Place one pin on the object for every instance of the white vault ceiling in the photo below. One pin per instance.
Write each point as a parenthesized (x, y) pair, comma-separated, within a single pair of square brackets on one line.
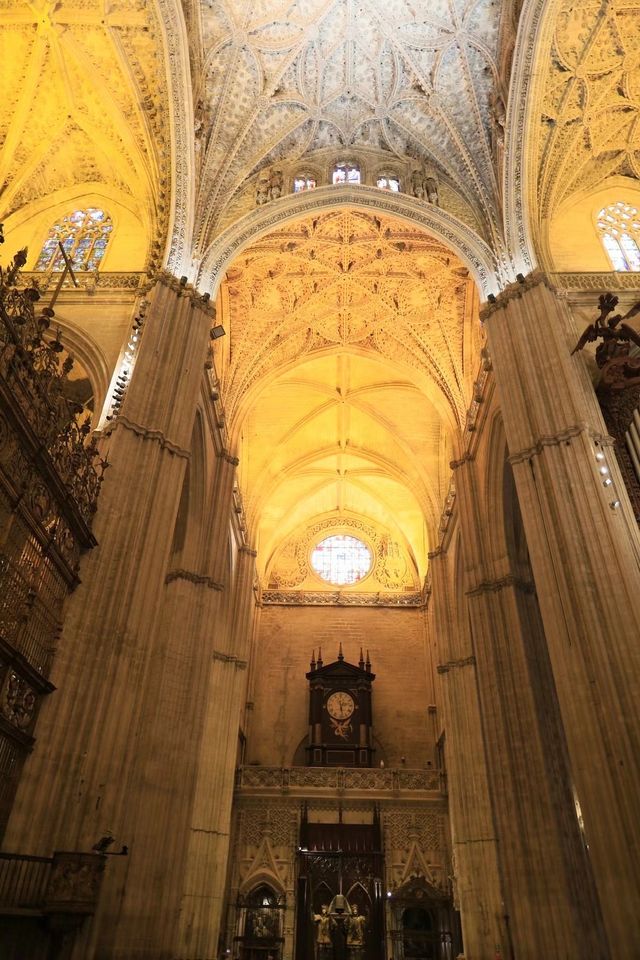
[(282, 79)]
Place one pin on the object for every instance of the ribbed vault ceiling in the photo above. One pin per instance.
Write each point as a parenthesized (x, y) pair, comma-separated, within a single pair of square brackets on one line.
[(350, 354), (283, 79), (587, 100), (84, 104)]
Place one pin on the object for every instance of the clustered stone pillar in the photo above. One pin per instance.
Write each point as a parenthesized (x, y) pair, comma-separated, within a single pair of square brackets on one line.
[(584, 547), (475, 856), (84, 779), (544, 865)]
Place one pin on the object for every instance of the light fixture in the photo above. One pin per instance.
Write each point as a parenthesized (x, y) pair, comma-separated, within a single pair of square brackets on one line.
[(614, 504), (599, 455)]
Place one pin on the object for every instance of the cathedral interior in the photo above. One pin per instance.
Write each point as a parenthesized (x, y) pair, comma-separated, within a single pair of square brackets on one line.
[(320, 480)]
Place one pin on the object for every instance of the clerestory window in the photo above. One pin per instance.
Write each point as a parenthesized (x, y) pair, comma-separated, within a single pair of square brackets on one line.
[(304, 183), (619, 229), (84, 234), (346, 173), (389, 183)]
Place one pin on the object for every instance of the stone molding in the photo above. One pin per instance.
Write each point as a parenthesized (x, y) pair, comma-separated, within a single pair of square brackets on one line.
[(472, 250), (502, 583), (555, 439), (229, 658), (146, 433), (614, 280), (196, 578), (311, 598), (177, 60), (455, 664), (519, 161), (300, 780)]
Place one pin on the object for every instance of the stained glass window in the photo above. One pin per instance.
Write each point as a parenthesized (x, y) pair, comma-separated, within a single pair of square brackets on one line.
[(619, 228), (303, 183), (346, 173), (341, 559), (84, 234), (389, 183)]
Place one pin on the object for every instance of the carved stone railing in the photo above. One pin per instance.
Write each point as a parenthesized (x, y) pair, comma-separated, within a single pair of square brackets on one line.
[(353, 781), (87, 282), (622, 280)]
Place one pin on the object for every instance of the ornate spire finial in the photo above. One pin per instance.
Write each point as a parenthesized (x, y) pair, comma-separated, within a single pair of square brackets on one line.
[(313, 660), (340, 653), (368, 664), (361, 660), (319, 661)]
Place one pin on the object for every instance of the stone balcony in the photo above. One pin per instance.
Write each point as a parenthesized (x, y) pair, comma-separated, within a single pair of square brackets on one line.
[(352, 783)]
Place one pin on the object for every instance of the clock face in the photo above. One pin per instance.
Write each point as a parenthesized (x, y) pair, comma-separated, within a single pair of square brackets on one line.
[(340, 705)]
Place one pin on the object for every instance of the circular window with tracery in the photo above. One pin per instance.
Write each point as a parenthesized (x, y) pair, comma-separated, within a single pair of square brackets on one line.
[(341, 559)]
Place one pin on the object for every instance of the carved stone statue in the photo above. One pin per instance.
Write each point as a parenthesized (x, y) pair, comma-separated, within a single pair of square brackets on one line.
[(431, 190), (355, 930), (322, 921), (417, 184), (275, 185), (262, 188)]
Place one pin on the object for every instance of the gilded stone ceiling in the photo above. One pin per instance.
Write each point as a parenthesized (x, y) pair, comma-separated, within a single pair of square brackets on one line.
[(84, 104), (285, 79), (351, 350), (589, 100)]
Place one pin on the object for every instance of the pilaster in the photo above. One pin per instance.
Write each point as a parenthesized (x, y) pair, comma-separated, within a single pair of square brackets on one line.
[(584, 547)]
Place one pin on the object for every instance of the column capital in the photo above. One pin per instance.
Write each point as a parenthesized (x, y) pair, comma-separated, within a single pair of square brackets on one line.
[(185, 290), (513, 291)]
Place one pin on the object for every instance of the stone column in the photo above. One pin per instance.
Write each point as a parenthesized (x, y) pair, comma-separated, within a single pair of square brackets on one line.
[(208, 843), (475, 857), (584, 553), (82, 782)]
